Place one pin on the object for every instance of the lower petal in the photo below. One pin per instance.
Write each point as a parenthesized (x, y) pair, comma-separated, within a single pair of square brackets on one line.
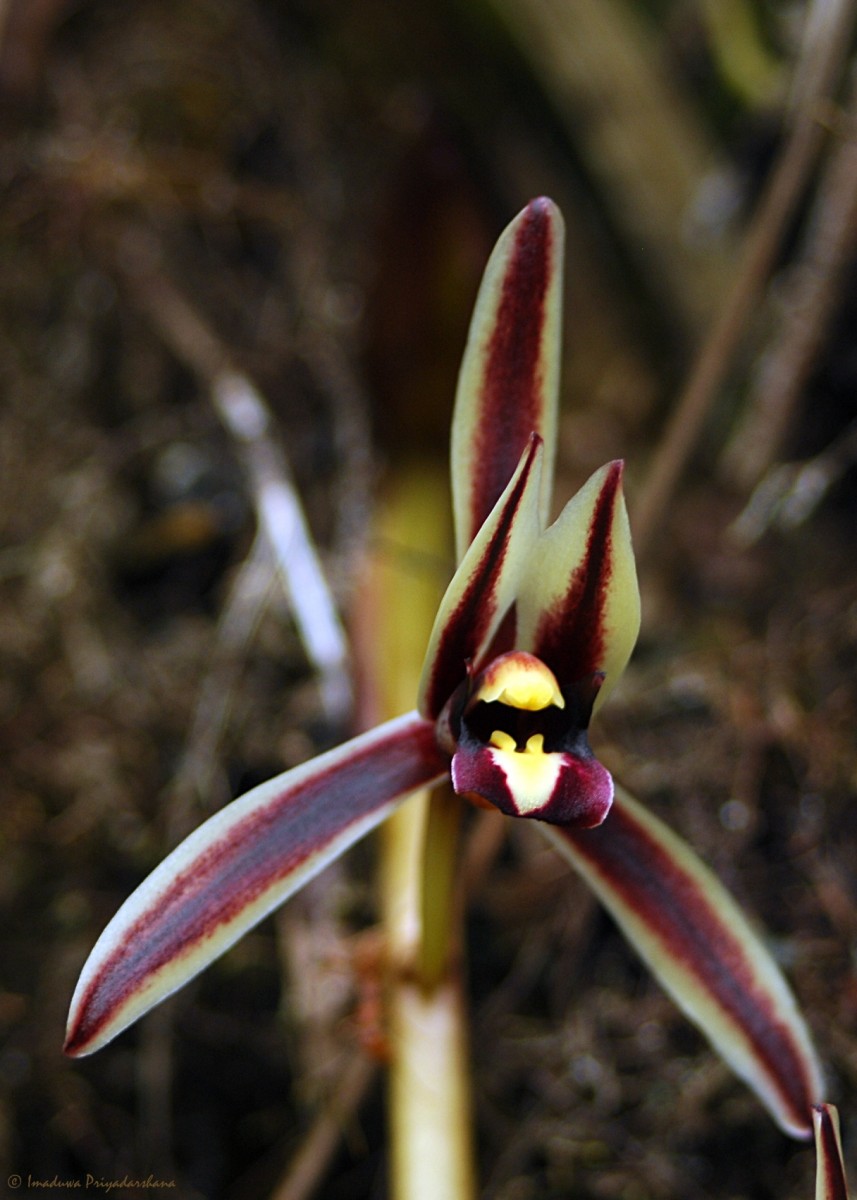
[(558, 787), (698, 944), (238, 866)]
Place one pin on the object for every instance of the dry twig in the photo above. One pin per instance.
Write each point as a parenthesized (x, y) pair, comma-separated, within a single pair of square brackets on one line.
[(246, 418), (641, 140), (785, 188), (788, 494), (812, 290), (305, 1171)]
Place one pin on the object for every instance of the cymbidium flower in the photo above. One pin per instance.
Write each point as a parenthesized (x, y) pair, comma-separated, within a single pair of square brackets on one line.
[(535, 628)]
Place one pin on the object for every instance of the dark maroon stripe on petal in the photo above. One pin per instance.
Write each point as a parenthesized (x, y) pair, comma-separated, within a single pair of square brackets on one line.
[(253, 855), (829, 1156), (511, 402), (667, 899), (570, 637), (467, 627)]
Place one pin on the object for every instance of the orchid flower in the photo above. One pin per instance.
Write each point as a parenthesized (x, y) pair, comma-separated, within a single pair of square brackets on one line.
[(533, 633)]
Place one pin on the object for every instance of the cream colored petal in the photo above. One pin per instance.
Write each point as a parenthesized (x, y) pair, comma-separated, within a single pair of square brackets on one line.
[(484, 587), (238, 866), (579, 604), (700, 947)]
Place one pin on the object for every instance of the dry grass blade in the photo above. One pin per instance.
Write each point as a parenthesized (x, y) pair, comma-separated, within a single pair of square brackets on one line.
[(812, 290), (785, 187), (788, 494), (306, 1170), (640, 139), (246, 418), (249, 595)]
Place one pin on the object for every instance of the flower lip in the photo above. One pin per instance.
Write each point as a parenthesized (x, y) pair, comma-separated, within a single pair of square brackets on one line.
[(517, 775)]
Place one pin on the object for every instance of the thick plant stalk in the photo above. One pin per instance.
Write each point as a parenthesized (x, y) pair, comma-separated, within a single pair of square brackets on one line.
[(429, 1087)]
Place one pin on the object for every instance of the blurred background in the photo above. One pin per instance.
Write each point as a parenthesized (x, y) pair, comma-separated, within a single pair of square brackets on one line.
[(305, 194)]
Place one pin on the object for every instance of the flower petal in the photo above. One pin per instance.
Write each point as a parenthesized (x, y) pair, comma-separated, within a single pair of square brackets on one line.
[(830, 1181), (695, 939), (509, 379), (238, 866), (579, 605), (483, 588), (570, 789)]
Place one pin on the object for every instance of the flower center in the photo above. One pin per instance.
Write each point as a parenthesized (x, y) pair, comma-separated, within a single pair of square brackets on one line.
[(519, 680), (516, 704), (520, 743)]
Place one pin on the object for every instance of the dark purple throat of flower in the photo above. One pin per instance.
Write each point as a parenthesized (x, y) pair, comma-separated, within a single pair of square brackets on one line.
[(519, 741)]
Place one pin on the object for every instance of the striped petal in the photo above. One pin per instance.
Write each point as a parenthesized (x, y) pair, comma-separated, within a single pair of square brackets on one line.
[(509, 379), (579, 605), (484, 587), (238, 866), (698, 944), (830, 1170)]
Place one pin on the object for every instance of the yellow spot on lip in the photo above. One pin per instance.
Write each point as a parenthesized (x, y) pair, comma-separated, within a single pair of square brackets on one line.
[(520, 680), (531, 774), (501, 740)]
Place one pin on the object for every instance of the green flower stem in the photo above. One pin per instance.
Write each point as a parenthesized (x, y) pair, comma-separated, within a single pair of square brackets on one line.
[(429, 1082), (440, 943)]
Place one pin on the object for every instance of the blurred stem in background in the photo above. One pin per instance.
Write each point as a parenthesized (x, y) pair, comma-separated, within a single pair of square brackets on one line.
[(430, 1141)]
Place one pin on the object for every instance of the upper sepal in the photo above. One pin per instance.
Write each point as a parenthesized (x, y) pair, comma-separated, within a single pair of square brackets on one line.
[(484, 587), (238, 866), (509, 379), (579, 605)]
